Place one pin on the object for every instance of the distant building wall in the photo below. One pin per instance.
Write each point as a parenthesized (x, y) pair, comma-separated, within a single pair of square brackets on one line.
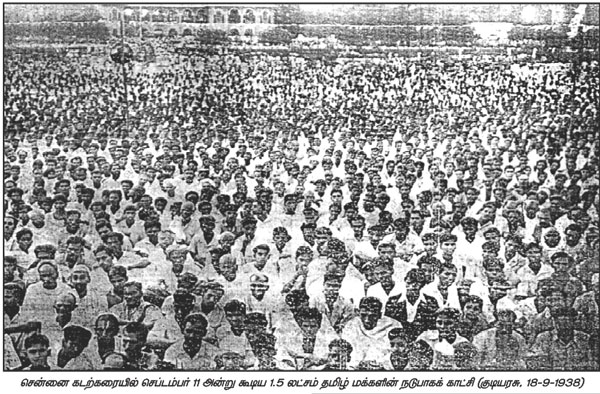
[(235, 20)]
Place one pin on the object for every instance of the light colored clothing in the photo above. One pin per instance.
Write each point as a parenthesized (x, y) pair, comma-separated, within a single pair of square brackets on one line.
[(291, 349), (443, 352), (145, 313), (368, 345), (377, 291), (230, 342), (452, 299), (529, 279), (88, 309), (185, 232), (204, 360), (406, 249), (38, 304), (165, 331), (199, 246)]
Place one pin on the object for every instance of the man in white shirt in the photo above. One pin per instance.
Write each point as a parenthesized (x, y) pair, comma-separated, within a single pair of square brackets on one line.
[(444, 339), (368, 334), (534, 271), (191, 352), (386, 286), (38, 304), (406, 242)]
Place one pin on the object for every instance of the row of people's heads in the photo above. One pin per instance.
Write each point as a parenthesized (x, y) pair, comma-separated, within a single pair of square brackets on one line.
[(401, 225), (145, 211), (173, 149), (322, 235), (575, 136), (404, 163), (371, 199), (379, 270), (63, 185), (335, 249)]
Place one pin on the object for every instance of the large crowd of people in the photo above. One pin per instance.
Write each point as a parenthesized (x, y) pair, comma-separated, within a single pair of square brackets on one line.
[(264, 212)]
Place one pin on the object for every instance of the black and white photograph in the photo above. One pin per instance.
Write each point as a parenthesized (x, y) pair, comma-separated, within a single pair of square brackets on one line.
[(301, 187)]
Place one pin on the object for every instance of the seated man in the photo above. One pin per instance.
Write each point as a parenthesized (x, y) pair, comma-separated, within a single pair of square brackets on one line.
[(64, 307), (551, 297), (368, 334), (40, 297), (134, 308), (261, 263), (134, 339), (117, 276), (234, 338), (191, 353), (386, 286), (233, 285), (106, 329), (70, 354), (306, 348), (535, 270), (446, 290), (168, 329), (334, 307), (211, 294), (259, 296), (472, 321), (413, 309), (91, 303), (178, 265), (444, 339), (186, 282), (139, 268), (500, 347), (562, 348)]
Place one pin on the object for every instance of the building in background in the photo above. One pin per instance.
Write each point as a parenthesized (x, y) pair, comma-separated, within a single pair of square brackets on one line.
[(245, 20), (354, 25)]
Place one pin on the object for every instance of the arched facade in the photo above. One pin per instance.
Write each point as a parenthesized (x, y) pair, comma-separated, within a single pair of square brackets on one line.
[(187, 16), (149, 19), (234, 16), (249, 17), (202, 16)]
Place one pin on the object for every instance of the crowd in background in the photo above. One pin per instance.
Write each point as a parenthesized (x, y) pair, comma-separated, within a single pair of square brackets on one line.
[(259, 212)]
